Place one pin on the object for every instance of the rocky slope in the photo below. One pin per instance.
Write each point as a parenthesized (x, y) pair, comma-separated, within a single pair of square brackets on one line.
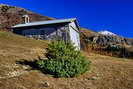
[(102, 39), (112, 45), (11, 15)]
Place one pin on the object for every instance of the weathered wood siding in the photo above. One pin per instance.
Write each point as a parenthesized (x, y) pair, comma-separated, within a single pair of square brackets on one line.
[(74, 35), (67, 32), (54, 32)]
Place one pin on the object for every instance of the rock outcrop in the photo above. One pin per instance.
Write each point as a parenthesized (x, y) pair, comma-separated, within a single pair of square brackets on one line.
[(100, 39), (107, 39), (112, 45)]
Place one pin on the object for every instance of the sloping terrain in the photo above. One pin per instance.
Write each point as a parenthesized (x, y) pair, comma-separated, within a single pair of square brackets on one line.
[(11, 15), (106, 72), (106, 44), (100, 39), (13, 48)]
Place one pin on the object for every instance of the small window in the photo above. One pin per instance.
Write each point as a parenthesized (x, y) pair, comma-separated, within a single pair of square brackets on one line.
[(42, 32)]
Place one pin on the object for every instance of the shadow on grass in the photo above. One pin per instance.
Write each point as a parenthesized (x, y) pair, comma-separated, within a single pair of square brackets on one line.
[(32, 64)]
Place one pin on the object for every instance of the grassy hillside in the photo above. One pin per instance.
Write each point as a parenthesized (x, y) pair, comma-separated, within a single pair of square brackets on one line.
[(106, 72), (14, 47)]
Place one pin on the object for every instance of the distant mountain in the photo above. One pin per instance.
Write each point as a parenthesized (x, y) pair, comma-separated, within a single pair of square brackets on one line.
[(105, 37), (105, 32), (106, 43)]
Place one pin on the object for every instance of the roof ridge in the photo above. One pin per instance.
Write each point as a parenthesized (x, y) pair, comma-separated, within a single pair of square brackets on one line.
[(45, 22)]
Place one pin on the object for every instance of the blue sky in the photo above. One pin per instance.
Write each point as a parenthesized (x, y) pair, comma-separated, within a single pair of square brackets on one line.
[(113, 15)]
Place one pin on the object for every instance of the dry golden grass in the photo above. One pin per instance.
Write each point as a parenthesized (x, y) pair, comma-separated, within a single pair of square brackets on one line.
[(14, 48), (106, 72)]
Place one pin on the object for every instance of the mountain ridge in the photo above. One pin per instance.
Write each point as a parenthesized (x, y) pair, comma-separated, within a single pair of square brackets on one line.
[(106, 32), (11, 15)]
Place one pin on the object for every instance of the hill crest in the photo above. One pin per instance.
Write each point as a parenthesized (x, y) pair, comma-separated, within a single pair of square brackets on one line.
[(11, 15)]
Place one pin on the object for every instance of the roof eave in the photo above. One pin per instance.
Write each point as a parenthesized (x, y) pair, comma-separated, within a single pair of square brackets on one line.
[(29, 25)]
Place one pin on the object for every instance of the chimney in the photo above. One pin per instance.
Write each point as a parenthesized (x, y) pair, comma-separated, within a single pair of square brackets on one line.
[(26, 19)]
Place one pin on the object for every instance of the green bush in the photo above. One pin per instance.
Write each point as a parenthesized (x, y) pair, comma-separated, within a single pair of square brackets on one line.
[(113, 48), (61, 50), (63, 60)]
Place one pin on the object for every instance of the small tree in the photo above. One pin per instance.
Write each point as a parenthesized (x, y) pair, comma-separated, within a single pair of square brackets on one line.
[(61, 50), (63, 60)]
